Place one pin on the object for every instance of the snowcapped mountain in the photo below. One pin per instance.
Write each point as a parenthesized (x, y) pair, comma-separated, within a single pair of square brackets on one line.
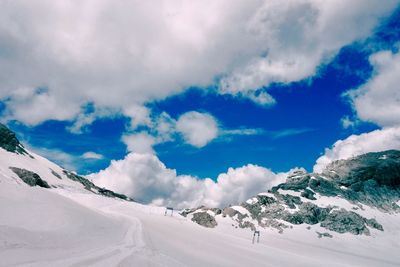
[(346, 216), (353, 196)]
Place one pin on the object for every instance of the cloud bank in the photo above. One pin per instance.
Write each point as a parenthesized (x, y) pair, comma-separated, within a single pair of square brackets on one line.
[(378, 100), (56, 57), (145, 178), (378, 140)]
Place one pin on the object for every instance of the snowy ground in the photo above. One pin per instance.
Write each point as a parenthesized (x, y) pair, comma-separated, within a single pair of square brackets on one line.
[(40, 227), (70, 226)]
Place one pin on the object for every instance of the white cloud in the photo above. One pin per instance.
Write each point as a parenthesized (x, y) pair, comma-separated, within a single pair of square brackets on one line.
[(92, 155), (165, 126), (243, 131), (354, 145), (237, 185), (145, 178), (378, 100), (84, 119), (139, 115), (122, 55), (139, 143), (298, 37), (198, 129), (348, 122), (289, 132)]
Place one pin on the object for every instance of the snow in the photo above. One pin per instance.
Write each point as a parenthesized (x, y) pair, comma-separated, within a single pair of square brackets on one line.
[(289, 192), (241, 209), (70, 226), (252, 201)]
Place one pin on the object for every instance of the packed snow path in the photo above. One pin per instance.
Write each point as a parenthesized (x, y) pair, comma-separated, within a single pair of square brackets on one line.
[(59, 227)]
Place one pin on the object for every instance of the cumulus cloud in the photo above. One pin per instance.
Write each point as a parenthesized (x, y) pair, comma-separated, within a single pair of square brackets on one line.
[(85, 119), (354, 145), (139, 142), (145, 178), (197, 129), (299, 36), (348, 122), (378, 100), (122, 55), (92, 155)]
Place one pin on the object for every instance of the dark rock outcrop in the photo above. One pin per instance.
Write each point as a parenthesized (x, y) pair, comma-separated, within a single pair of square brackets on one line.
[(55, 174), (343, 221), (93, 188), (9, 141), (204, 219), (320, 235), (29, 177)]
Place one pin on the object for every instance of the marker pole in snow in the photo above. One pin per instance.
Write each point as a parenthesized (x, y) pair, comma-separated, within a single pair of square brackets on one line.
[(167, 209), (258, 236)]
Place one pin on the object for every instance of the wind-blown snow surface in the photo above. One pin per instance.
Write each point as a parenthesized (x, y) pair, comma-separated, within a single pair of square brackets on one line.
[(70, 226)]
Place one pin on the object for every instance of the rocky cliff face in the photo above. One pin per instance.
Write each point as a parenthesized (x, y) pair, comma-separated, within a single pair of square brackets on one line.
[(9, 141), (336, 199)]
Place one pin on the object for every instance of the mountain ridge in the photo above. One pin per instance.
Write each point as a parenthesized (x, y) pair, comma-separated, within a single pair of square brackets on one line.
[(368, 181)]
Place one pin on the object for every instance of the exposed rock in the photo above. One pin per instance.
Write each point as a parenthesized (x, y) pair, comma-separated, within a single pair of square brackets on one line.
[(381, 167), (29, 177), (343, 221), (247, 224), (320, 235), (55, 174), (186, 212), (289, 200), (9, 141), (93, 188), (374, 224), (308, 194), (229, 212), (204, 219), (370, 180), (313, 214)]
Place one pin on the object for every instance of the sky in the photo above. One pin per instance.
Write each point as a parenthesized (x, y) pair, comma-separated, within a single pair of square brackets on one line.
[(201, 102)]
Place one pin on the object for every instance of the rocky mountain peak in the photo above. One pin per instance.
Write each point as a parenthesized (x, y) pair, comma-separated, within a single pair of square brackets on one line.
[(9, 141), (382, 168), (335, 199)]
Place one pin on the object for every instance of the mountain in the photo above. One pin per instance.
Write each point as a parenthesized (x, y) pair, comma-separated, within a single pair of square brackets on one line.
[(29, 167), (346, 216), (349, 196)]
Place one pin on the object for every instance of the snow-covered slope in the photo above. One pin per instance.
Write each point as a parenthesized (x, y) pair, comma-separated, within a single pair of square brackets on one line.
[(71, 223), (20, 166)]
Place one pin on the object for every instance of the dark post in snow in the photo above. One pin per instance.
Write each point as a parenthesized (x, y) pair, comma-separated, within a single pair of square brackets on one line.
[(167, 209), (258, 236)]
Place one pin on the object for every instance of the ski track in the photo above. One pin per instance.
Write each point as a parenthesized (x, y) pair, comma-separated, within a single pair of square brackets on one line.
[(152, 239)]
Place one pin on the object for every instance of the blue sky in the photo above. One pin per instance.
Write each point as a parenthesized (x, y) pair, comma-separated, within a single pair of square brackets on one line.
[(294, 131), (152, 98)]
